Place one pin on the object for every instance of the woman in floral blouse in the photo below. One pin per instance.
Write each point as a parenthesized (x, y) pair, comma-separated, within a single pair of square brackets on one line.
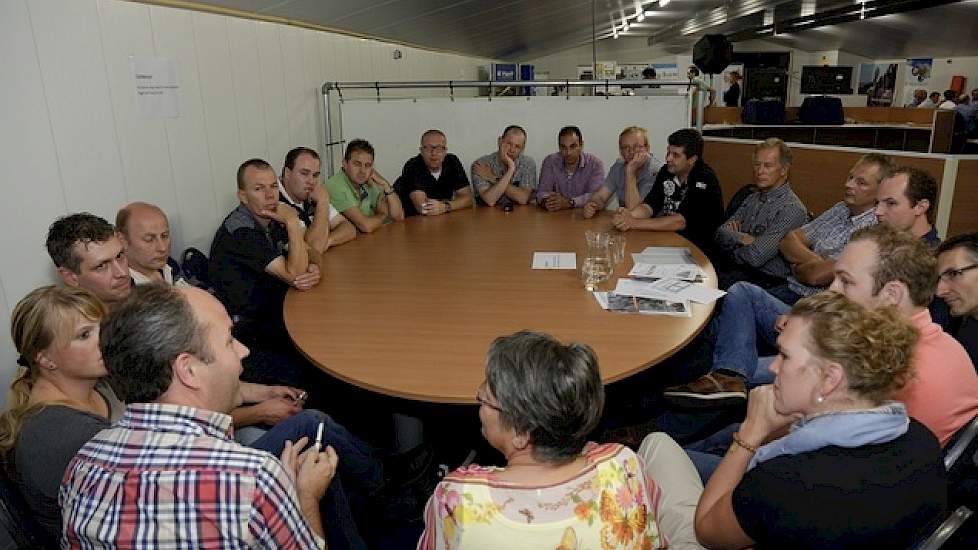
[(538, 404)]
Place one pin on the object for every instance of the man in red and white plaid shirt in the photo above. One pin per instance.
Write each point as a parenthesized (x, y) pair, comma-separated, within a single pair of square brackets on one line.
[(169, 474)]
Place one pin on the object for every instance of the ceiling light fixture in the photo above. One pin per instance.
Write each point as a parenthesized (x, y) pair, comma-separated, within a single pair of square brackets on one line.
[(624, 21), (807, 8), (663, 3), (614, 27), (639, 12)]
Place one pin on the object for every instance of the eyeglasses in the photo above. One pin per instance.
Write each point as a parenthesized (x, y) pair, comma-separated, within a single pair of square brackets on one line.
[(952, 274), (434, 149), (362, 192), (483, 401)]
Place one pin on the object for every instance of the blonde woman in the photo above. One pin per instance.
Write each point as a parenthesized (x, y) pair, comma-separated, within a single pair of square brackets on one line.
[(57, 401), (854, 470)]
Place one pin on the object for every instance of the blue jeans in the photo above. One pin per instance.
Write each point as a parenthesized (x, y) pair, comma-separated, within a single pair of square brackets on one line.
[(358, 469), (785, 294), (747, 318), (707, 452)]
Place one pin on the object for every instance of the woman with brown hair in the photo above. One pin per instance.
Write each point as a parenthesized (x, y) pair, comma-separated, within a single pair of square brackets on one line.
[(58, 400)]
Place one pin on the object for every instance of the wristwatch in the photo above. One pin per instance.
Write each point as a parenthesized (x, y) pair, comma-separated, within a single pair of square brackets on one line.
[(448, 206)]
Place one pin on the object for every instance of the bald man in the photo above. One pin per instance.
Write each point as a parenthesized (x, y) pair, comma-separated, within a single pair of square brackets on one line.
[(145, 234)]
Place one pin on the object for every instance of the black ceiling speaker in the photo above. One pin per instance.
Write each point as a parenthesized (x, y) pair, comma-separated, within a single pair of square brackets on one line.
[(713, 53)]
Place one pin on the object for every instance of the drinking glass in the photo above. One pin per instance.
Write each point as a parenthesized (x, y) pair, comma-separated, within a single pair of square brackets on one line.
[(616, 245), (595, 270), (597, 264)]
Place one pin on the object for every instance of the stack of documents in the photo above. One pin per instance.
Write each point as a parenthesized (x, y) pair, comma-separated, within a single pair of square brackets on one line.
[(683, 272), (664, 255), (673, 290)]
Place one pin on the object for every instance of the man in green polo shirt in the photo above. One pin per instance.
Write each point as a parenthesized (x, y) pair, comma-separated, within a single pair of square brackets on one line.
[(361, 194)]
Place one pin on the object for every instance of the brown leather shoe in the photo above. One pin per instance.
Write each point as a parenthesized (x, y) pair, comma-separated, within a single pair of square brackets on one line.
[(710, 390)]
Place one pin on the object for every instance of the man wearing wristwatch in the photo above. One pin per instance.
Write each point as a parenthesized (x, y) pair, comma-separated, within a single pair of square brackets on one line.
[(434, 181), (360, 193)]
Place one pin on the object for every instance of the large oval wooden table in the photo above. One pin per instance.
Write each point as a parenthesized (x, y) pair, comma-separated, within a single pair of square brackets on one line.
[(410, 310)]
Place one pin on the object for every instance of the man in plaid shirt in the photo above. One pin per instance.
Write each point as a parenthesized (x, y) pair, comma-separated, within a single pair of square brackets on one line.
[(169, 474)]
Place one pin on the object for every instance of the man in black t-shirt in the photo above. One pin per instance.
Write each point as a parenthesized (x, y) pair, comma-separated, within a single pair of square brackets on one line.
[(957, 269), (434, 181), (685, 197)]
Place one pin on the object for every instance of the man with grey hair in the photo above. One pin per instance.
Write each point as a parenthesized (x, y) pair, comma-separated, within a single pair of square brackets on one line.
[(174, 359), (749, 239)]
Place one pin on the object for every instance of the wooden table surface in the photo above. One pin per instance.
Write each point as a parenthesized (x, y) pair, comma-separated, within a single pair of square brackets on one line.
[(410, 310)]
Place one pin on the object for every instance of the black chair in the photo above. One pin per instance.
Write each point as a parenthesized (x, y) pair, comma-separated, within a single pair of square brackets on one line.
[(17, 528), (962, 482), (738, 199), (945, 530), (959, 135), (962, 440), (195, 264)]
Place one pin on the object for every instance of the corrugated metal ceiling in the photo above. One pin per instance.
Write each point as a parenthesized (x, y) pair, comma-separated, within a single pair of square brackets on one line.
[(525, 29)]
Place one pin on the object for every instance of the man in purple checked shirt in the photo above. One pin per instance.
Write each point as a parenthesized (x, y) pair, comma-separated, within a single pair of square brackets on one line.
[(568, 177)]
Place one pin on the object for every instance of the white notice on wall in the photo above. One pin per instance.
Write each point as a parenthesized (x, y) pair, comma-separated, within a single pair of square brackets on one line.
[(157, 86)]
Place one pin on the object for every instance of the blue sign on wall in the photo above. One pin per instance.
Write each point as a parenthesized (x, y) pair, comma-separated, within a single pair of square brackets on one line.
[(504, 71)]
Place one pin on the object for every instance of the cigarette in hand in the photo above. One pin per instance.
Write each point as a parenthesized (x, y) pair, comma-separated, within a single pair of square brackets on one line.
[(319, 437)]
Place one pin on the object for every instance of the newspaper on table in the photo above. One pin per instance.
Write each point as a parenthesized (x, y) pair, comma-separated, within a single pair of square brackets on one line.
[(672, 290), (645, 306), (683, 272)]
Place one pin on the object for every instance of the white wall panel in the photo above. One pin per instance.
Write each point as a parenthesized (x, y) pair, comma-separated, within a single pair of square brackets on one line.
[(69, 47), (34, 195), (245, 75), (127, 33), (192, 224), (470, 136), (273, 91), (217, 92), (299, 96), (73, 138), (312, 63)]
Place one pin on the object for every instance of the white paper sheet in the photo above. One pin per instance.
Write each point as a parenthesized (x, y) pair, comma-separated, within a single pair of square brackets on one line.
[(554, 260), (664, 255), (157, 86), (684, 272), (668, 289)]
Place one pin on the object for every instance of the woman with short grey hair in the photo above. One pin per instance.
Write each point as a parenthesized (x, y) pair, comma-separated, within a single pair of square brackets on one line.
[(540, 401)]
